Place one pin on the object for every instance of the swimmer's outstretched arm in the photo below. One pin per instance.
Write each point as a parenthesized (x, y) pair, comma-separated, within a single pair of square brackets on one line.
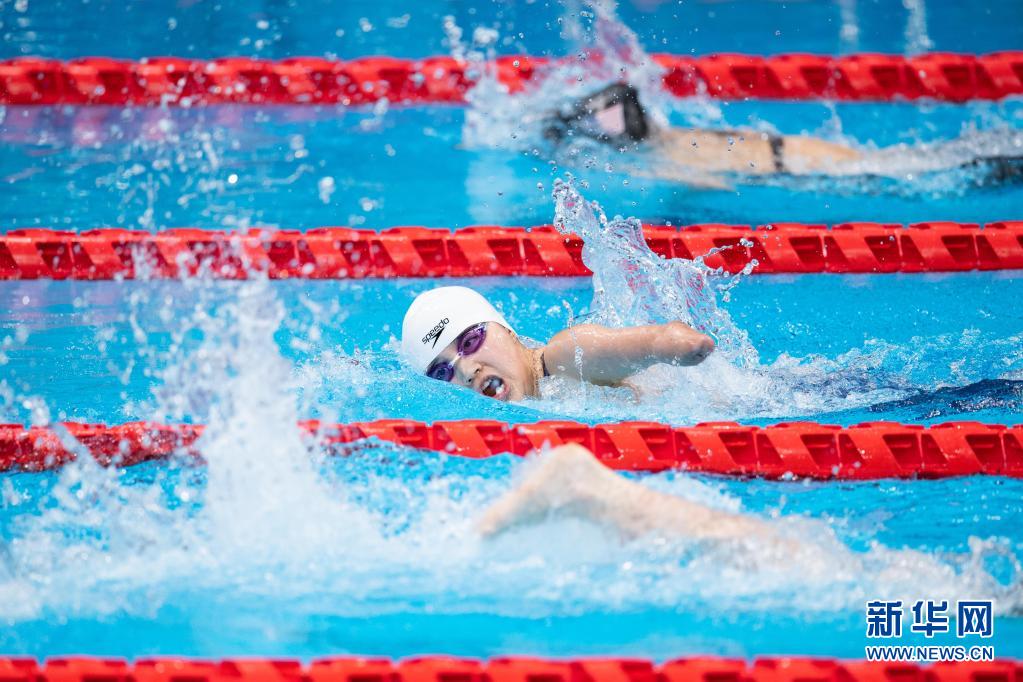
[(609, 356), (570, 482)]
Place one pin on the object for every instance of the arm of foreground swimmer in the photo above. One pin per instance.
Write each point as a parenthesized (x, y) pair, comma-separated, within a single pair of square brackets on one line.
[(611, 355), (569, 481), (635, 510)]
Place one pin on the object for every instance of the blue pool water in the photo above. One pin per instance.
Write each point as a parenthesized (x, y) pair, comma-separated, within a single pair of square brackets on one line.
[(141, 571), (272, 550), (69, 28), (302, 167)]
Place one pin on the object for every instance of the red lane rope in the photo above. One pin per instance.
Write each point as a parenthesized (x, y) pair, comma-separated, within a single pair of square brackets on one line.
[(802, 449), (342, 253), (313, 80), (505, 669)]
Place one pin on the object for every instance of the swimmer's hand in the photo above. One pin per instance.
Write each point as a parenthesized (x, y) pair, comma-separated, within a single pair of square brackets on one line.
[(610, 356)]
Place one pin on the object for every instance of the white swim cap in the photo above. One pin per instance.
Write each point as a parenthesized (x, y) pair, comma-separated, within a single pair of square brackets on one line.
[(437, 316)]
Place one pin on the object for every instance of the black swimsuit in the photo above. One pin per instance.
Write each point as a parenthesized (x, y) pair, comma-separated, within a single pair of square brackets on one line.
[(777, 143)]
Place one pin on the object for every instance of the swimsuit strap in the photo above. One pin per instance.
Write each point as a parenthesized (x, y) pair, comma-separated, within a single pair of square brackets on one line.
[(777, 143), (543, 365)]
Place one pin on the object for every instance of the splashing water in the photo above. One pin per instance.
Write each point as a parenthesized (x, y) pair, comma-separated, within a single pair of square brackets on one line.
[(917, 40), (244, 461), (632, 285), (270, 531), (912, 160), (849, 33), (604, 50), (268, 526)]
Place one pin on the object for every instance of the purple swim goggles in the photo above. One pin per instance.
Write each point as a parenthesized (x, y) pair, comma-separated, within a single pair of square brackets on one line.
[(466, 343)]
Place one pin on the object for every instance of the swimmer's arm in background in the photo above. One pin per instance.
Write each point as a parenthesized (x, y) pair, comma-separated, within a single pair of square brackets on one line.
[(666, 162), (569, 482), (609, 356)]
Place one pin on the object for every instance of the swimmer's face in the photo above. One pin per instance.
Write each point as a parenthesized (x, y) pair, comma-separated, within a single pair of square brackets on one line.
[(498, 368)]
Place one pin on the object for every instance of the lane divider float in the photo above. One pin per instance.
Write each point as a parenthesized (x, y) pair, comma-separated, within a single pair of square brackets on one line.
[(504, 669), (791, 449), (939, 76), (344, 253)]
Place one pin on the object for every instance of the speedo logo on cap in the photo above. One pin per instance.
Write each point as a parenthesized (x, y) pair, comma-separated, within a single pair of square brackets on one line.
[(434, 334)]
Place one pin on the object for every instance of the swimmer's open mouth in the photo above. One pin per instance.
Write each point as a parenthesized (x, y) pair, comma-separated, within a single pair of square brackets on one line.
[(493, 387)]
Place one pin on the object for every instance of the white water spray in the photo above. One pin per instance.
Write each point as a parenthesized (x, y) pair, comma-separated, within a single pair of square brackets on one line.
[(264, 522), (849, 33), (917, 40), (602, 50), (633, 285)]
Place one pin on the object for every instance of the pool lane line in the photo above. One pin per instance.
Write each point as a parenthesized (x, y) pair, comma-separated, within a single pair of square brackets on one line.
[(503, 669), (176, 81), (344, 253), (786, 450)]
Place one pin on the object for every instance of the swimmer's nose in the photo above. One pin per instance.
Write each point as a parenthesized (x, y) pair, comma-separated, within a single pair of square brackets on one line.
[(466, 370)]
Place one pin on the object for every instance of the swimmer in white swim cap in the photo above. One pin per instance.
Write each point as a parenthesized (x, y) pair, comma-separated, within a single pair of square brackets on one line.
[(454, 334)]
